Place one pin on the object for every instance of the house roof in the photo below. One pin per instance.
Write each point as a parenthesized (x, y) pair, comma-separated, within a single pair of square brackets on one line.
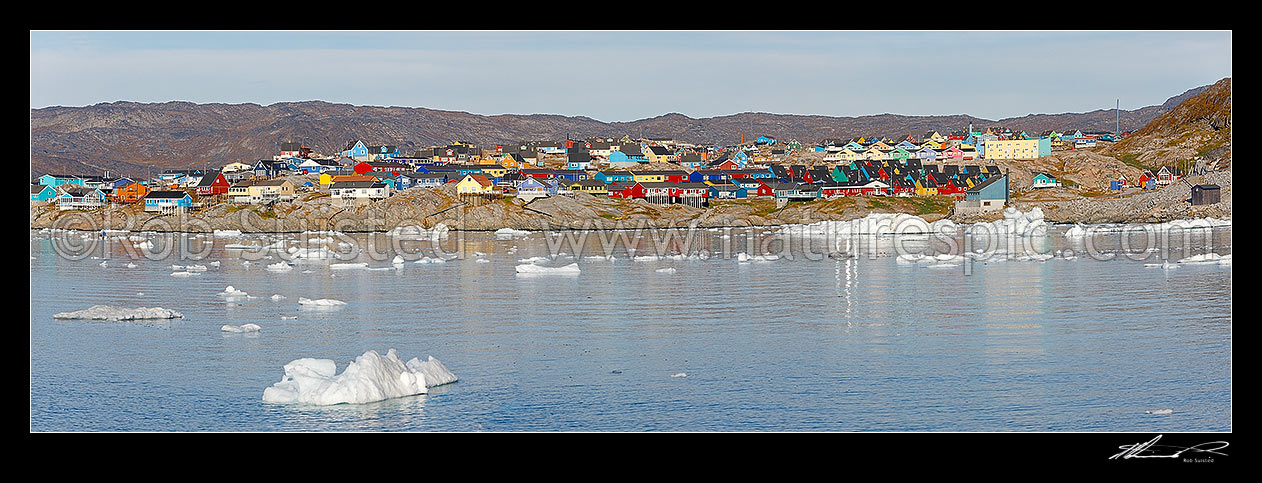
[(482, 180), (166, 194), (978, 187), (357, 184)]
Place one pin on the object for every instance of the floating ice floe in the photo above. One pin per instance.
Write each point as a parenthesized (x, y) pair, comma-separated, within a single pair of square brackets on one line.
[(1162, 265), (425, 260), (530, 268), (227, 233), (280, 267), (1077, 231), (239, 246), (1204, 259), (347, 266), (185, 274), (102, 264), (679, 375), (196, 268), (232, 292), (318, 253), (306, 302), (666, 270), (398, 260), (131, 265), (1160, 412), (509, 233), (370, 378), (413, 231), (875, 224), (241, 328), (278, 297), (483, 260), (107, 312)]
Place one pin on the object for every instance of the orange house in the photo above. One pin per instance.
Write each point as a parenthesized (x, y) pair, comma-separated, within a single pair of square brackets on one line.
[(130, 193)]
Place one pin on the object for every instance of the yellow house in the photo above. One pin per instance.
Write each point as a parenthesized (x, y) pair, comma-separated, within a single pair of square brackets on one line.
[(1012, 149), (493, 171), (261, 191), (648, 177), (873, 153), (880, 145), (847, 154), (588, 186), (937, 138), (475, 184), (512, 162), (234, 167), (325, 180)]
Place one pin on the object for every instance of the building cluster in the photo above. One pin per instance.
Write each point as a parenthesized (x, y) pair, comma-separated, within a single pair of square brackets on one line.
[(655, 170)]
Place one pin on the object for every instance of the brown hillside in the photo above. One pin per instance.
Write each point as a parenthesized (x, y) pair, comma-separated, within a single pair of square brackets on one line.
[(1199, 128)]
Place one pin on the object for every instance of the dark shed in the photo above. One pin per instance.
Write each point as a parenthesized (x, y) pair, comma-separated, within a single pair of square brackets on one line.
[(1206, 194)]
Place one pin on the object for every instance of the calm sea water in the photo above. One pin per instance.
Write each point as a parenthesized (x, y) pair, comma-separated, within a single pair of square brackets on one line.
[(859, 343)]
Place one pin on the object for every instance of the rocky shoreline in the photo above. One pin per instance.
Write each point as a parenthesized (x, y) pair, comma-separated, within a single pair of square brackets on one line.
[(428, 208)]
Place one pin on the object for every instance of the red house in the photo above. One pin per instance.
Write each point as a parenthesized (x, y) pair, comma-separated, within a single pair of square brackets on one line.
[(764, 190), (213, 185)]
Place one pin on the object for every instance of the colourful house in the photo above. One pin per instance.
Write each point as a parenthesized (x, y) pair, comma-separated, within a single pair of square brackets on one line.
[(75, 197), (130, 193), (212, 185), (475, 184), (1043, 180), (41, 192), (167, 201)]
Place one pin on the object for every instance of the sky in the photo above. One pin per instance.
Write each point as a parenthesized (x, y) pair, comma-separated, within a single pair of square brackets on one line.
[(629, 75)]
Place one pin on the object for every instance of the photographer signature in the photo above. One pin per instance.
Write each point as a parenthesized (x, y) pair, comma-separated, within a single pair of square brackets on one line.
[(1151, 448)]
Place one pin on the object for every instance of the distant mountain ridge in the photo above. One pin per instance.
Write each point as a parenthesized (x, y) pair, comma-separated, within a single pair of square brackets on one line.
[(132, 138)]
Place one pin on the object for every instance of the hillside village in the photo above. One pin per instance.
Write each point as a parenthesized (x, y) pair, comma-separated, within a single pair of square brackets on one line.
[(971, 168)]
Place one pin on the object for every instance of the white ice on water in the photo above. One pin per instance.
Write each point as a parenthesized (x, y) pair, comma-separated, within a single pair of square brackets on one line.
[(347, 266), (875, 224), (227, 233), (241, 328), (302, 301), (232, 292), (278, 297), (666, 270), (370, 378), (509, 233), (530, 268), (107, 312), (280, 267)]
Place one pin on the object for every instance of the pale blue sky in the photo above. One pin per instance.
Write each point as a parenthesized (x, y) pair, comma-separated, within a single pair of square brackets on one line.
[(629, 75)]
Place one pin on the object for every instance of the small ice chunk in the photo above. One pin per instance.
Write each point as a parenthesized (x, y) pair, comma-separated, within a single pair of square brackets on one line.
[(241, 328), (185, 274), (320, 302), (278, 297), (347, 266), (1160, 412), (227, 233), (679, 375), (666, 270), (530, 268), (280, 267), (233, 292), (483, 260)]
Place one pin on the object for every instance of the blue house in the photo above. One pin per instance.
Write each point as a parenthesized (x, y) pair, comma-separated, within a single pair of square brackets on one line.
[(571, 174), (993, 190), (356, 150), (1045, 146), (634, 156), (424, 180), (728, 192), (42, 192), (167, 201), (56, 180), (765, 140), (610, 177)]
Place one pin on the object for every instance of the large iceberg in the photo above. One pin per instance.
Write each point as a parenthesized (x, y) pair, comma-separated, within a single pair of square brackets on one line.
[(106, 312), (370, 378), (1014, 222)]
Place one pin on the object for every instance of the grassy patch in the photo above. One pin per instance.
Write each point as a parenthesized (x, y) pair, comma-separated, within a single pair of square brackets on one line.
[(1132, 160), (926, 206)]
